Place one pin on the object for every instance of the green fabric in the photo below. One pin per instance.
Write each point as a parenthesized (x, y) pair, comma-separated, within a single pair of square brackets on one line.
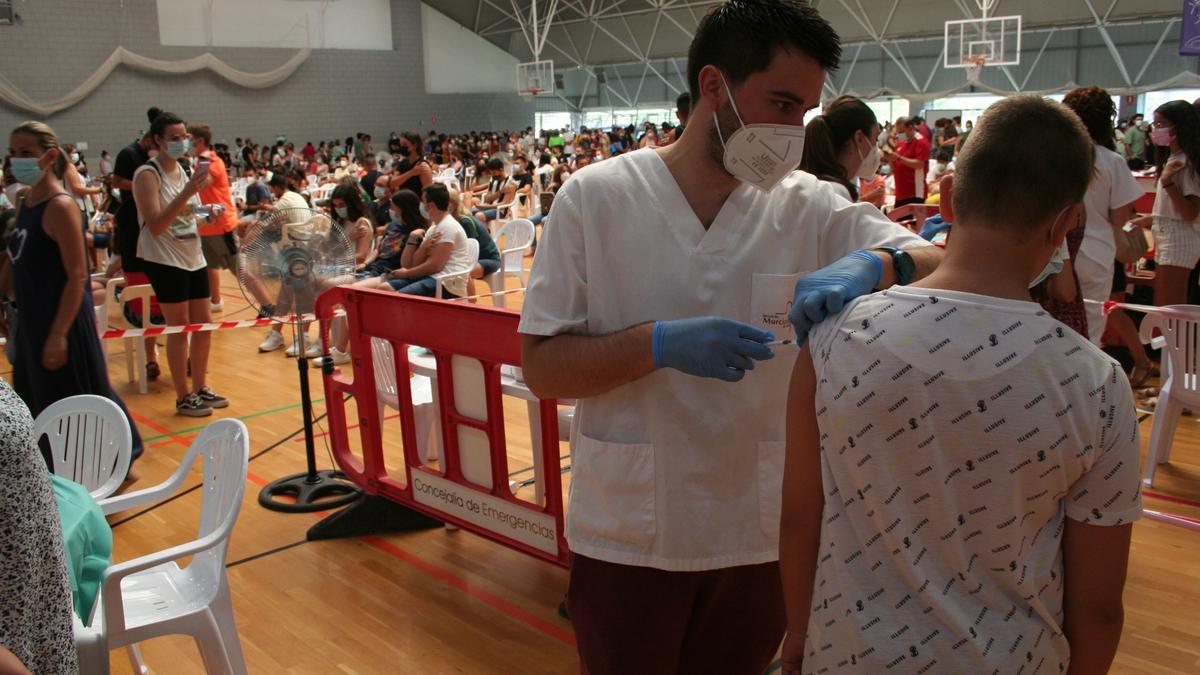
[(1135, 140), (555, 141), (88, 540), (338, 152), (479, 232)]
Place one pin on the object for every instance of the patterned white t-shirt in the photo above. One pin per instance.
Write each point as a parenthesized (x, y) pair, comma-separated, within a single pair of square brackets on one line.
[(957, 432)]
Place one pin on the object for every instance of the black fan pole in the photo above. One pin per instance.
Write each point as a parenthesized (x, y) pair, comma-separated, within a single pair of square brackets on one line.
[(312, 490)]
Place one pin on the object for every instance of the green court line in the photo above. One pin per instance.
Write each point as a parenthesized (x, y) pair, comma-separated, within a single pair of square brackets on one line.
[(243, 417)]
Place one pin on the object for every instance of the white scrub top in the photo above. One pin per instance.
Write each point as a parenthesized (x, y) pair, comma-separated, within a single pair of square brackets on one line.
[(1112, 186), (673, 471)]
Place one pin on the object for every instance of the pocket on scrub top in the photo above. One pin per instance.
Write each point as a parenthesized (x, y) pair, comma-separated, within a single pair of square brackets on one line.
[(771, 300), (770, 484), (612, 490)]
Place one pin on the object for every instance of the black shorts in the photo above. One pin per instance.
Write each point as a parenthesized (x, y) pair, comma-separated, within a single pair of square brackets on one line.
[(172, 284), (1120, 282)]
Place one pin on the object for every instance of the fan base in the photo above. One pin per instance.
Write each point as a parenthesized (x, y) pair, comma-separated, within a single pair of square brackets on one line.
[(305, 492)]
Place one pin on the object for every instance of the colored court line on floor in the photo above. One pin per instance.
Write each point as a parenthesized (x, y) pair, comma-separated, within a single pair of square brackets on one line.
[(505, 607), (176, 436), (1170, 498), (165, 433), (352, 426)]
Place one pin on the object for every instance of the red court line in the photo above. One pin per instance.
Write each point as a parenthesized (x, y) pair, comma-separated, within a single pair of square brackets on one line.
[(300, 439), (1170, 498), (175, 438), (436, 572)]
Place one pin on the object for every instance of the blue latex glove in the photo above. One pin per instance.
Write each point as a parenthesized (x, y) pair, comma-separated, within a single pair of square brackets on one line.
[(825, 291), (710, 346), (932, 226)]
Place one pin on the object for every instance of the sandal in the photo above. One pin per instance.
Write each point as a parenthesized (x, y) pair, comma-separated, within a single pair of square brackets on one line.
[(1139, 374), (152, 370)]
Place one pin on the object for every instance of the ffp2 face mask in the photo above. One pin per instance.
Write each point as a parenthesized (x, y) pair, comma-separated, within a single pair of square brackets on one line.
[(761, 155)]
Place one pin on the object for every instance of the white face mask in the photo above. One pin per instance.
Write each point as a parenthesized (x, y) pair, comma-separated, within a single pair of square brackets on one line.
[(1055, 265), (760, 154), (870, 163), (424, 211), (74, 157), (343, 212), (380, 193), (902, 137)]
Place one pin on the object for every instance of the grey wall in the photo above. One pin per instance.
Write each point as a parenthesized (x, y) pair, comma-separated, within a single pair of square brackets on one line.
[(333, 94)]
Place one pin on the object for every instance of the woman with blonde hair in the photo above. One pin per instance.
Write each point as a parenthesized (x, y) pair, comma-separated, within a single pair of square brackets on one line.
[(58, 352)]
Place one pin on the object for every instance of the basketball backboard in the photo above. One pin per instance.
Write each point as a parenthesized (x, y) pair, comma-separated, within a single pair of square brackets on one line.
[(535, 77), (991, 41)]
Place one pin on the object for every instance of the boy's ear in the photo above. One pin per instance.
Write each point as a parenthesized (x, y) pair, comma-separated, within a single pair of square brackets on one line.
[(1073, 216)]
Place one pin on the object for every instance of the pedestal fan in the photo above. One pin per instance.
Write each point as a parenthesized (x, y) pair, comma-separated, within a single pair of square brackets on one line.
[(287, 260)]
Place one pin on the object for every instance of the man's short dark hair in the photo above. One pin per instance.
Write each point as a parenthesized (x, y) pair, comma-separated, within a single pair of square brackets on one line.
[(279, 180), (742, 36), (438, 194), (495, 163), (683, 103), (994, 186)]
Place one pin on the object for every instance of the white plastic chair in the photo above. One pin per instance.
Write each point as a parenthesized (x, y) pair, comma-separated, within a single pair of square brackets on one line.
[(90, 442), (1180, 345), (518, 238), (152, 596), (387, 395), (135, 348), (442, 277)]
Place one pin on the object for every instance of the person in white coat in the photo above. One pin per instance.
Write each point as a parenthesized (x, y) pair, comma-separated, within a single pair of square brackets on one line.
[(666, 276)]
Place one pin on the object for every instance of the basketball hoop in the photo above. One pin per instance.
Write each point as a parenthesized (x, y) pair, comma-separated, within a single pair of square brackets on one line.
[(529, 94), (974, 68)]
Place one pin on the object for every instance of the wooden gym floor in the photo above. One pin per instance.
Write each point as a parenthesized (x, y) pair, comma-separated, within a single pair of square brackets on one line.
[(451, 602)]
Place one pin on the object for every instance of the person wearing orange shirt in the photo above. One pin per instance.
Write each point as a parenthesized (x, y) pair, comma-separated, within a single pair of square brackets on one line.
[(217, 238)]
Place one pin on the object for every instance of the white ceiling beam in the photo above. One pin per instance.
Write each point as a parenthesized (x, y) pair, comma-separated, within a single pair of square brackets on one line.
[(1108, 42), (1154, 52), (1037, 59)]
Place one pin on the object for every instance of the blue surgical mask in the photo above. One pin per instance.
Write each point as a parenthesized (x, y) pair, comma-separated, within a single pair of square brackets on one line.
[(26, 170), (179, 149), (902, 137)]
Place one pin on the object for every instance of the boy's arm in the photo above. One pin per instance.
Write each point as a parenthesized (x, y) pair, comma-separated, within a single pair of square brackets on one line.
[(803, 501), (1094, 563)]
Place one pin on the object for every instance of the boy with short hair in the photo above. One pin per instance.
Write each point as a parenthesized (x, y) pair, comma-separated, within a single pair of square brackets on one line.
[(962, 470)]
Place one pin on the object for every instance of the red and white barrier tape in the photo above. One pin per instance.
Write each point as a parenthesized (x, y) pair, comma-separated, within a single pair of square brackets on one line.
[(153, 331), (487, 295), (1112, 305)]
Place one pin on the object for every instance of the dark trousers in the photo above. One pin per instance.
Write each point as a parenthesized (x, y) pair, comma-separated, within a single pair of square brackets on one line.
[(630, 620)]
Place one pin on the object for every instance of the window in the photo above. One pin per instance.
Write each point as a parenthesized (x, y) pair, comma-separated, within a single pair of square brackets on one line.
[(6, 12), (1154, 99)]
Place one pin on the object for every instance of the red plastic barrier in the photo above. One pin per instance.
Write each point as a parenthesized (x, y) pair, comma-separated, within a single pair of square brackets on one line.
[(913, 214), (447, 329)]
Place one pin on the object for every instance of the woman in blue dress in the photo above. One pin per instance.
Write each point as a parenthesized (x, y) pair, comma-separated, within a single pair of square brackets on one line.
[(58, 352)]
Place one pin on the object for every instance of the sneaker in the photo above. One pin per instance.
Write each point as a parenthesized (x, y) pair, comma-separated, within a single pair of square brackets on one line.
[(212, 398), (266, 312), (336, 356), (313, 351), (217, 306), (152, 370), (273, 341), (294, 350), (192, 406)]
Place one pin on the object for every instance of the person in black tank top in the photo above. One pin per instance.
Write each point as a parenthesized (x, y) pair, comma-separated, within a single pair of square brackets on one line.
[(413, 172), (58, 352)]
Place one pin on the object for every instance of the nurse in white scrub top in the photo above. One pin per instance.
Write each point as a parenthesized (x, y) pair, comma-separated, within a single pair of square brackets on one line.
[(661, 276)]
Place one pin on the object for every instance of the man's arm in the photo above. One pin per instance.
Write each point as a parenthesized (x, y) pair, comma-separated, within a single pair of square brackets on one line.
[(803, 503), (580, 366), (1095, 559), (926, 258)]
